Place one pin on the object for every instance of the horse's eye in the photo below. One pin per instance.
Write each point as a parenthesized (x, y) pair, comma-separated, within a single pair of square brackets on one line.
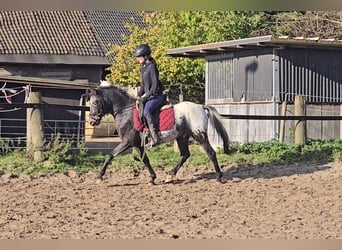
[(95, 104)]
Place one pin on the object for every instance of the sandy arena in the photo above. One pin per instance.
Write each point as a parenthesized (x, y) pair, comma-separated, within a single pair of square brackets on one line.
[(259, 202)]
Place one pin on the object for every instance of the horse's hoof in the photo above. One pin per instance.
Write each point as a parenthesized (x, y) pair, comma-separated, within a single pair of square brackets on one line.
[(98, 180), (220, 180), (136, 158), (169, 179), (136, 173)]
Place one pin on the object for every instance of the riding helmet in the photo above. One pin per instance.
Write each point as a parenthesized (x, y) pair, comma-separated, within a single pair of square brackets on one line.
[(142, 50)]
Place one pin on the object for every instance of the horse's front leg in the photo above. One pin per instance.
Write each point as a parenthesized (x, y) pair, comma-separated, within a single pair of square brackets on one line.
[(107, 161), (146, 161), (116, 151)]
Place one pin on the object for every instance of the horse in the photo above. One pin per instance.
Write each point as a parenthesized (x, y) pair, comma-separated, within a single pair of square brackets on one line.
[(190, 120)]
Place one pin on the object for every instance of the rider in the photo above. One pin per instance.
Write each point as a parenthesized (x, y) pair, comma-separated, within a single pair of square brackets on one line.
[(151, 90)]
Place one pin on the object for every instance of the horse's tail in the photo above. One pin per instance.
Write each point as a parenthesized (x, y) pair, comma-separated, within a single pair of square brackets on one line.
[(216, 120)]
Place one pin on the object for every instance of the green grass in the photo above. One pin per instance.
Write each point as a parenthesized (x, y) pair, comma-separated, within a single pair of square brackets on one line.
[(60, 158)]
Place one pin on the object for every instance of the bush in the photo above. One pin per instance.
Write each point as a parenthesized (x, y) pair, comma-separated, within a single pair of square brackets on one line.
[(61, 155)]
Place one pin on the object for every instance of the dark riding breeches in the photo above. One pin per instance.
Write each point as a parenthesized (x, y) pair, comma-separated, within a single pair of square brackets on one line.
[(153, 104)]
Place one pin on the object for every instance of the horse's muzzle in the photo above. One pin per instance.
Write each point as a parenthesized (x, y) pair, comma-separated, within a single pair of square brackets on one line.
[(94, 120)]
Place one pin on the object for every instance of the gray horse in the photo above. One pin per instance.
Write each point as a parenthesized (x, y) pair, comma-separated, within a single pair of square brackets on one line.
[(191, 120)]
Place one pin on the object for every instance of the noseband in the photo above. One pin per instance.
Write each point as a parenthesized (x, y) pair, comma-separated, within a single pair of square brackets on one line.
[(96, 116)]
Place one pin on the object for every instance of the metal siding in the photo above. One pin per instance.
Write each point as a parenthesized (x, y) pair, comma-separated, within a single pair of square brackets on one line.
[(312, 73), (316, 130), (241, 130), (247, 75), (220, 77), (253, 76)]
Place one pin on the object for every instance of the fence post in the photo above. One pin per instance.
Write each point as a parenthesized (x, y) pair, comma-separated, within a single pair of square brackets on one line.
[(282, 122), (34, 131), (300, 125)]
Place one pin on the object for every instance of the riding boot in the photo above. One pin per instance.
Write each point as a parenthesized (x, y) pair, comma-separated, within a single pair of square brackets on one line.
[(155, 134)]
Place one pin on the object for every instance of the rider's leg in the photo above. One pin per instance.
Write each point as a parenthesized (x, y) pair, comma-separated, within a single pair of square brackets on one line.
[(154, 130), (151, 114)]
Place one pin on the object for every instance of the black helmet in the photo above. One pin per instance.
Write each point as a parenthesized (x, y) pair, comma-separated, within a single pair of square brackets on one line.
[(142, 50)]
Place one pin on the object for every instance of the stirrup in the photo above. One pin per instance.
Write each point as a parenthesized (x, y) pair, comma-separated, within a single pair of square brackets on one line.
[(153, 144), (144, 138)]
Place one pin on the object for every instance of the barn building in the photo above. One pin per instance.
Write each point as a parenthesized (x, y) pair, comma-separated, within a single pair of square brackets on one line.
[(256, 76), (57, 53)]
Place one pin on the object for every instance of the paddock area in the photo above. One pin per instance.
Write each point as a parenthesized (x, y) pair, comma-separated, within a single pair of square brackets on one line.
[(255, 202)]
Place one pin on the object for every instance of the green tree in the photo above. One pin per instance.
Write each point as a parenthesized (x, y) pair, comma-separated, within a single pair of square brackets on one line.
[(172, 29), (322, 24)]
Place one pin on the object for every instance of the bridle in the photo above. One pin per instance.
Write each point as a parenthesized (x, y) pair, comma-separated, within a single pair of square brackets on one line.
[(98, 115)]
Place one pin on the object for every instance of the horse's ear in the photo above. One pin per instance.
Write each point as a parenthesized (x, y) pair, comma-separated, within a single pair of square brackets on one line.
[(90, 92)]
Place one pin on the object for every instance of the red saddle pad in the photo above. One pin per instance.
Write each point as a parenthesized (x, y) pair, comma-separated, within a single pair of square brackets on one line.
[(166, 119)]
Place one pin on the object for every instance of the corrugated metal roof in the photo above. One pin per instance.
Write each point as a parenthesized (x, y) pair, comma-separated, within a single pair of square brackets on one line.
[(203, 50), (79, 33)]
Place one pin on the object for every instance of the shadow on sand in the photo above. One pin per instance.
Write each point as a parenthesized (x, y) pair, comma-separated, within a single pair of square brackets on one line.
[(263, 171), (242, 172)]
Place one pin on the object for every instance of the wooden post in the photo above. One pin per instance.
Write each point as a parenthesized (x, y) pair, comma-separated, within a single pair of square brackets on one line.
[(282, 122), (300, 125), (34, 131)]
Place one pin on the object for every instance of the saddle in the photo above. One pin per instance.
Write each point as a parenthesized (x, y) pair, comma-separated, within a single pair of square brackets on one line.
[(166, 119)]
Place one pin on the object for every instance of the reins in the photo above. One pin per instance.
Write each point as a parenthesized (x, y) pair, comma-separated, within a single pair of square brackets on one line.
[(123, 109), (143, 133), (114, 112), (100, 114)]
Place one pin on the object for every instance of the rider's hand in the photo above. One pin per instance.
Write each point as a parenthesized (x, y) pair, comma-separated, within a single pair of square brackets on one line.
[(137, 101)]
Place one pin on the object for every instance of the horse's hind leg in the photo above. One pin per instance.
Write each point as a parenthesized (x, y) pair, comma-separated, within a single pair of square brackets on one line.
[(204, 142), (183, 144), (212, 156)]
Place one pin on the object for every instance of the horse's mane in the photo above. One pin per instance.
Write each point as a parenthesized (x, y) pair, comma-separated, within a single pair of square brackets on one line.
[(122, 92), (114, 96)]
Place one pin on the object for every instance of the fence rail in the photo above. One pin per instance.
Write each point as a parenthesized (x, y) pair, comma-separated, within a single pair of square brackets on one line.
[(76, 129), (42, 106), (283, 117)]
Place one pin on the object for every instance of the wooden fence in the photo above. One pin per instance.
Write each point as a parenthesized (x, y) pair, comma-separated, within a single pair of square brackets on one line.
[(35, 119)]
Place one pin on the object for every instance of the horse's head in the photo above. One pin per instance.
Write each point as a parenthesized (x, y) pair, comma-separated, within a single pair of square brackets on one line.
[(96, 107), (107, 100)]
